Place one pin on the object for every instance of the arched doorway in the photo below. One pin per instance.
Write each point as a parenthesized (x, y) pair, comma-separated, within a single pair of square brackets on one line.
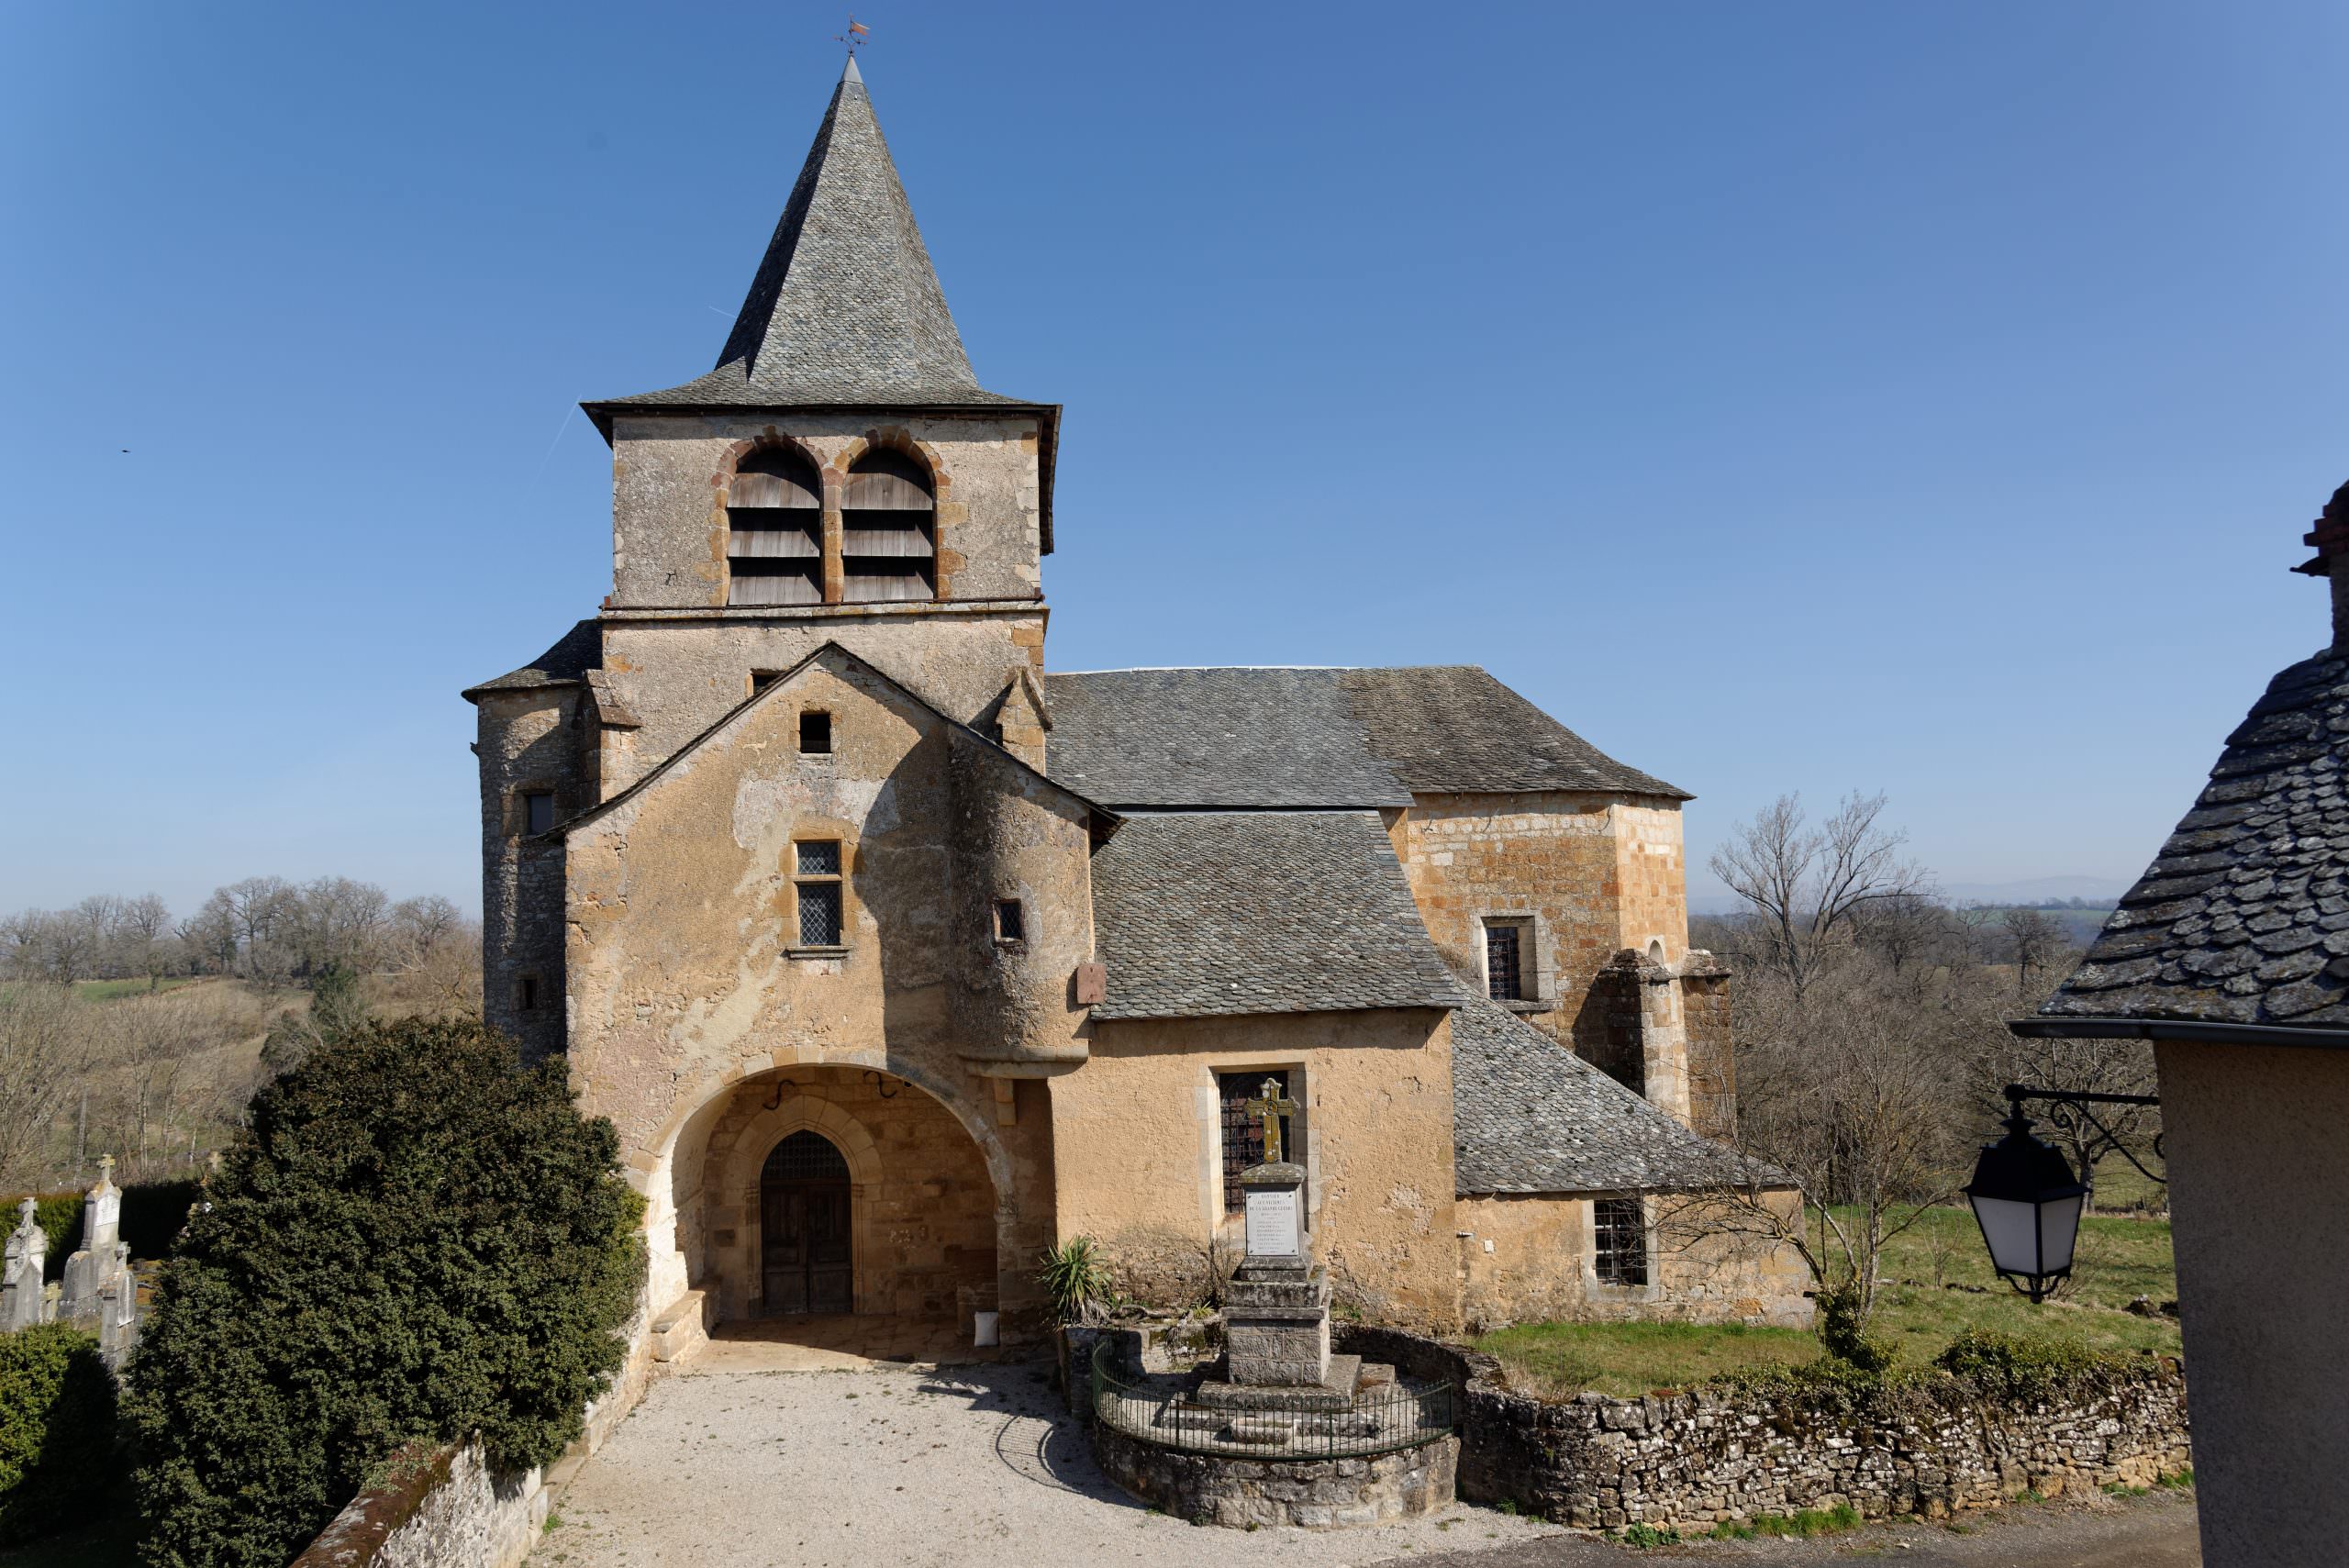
[(806, 1254)]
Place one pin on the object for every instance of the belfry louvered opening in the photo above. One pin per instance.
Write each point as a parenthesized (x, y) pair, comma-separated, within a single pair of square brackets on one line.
[(774, 547), (889, 539)]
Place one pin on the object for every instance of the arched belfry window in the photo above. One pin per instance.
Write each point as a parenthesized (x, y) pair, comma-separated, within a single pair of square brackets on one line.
[(888, 540), (774, 546)]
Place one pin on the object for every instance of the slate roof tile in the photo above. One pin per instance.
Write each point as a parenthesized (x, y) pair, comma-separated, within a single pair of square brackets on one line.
[(1528, 1116), (1270, 738), (574, 653), (2227, 923), (1210, 914)]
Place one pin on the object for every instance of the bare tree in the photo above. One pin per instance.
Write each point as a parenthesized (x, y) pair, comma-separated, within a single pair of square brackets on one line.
[(143, 940), (44, 1046), (335, 920), (2037, 941), (1807, 887)]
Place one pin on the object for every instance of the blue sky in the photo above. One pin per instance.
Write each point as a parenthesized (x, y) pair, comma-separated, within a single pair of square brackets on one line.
[(1926, 399)]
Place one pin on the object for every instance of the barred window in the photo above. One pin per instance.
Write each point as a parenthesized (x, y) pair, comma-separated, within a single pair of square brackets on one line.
[(1620, 1239), (1243, 1135), (817, 884), (1504, 962)]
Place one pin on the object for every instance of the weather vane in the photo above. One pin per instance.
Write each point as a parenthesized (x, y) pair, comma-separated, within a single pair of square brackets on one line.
[(857, 33)]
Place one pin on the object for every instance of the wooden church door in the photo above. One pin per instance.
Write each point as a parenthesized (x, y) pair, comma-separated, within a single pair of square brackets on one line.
[(807, 1258)]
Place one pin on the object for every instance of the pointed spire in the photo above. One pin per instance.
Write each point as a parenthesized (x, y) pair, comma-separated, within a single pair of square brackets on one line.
[(845, 307)]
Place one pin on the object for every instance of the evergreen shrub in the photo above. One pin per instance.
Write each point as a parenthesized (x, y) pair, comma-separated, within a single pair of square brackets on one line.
[(56, 1429), (416, 1238)]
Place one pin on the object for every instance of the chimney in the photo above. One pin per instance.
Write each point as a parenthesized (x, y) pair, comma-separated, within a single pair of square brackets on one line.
[(2331, 537)]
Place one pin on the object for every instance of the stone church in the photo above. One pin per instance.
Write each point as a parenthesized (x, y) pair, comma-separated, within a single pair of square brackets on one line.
[(897, 958)]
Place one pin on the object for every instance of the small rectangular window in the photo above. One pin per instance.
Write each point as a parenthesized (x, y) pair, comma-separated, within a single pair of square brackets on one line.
[(818, 886), (530, 988), (1504, 962), (1619, 1242), (761, 679), (1010, 922), (820, 914), (537, 811), (815, 734)]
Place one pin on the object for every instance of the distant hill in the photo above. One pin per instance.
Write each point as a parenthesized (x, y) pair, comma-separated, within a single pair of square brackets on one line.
[(2102, 891)]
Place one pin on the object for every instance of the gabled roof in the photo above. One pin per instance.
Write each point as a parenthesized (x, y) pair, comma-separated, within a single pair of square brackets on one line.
[(1215, 738), (1213, 914), (1272, 738), (2243, 919), (845, 307), (574, 653), (1528, 1116), (783, 682), (1453, 730)]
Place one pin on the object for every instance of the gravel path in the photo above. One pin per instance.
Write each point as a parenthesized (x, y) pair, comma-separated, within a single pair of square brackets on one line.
[(972, 1467)]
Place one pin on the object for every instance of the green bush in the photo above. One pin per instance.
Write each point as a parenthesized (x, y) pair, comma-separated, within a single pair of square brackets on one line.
[(416, 1238), (2014, 1368), (56, 1429), (1842, 1328)]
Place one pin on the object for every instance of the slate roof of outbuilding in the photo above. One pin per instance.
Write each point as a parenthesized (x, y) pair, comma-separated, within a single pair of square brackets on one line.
[(1528, 1116), (1215, 913), (845, 307), (1276, 739), (574, 653), (2243, 917)]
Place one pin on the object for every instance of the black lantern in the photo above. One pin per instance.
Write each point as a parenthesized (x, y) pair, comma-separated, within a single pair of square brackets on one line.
[(2028, 1202)]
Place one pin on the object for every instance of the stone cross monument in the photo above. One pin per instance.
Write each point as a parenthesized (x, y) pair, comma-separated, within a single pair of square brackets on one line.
[(21, 1301), (1276, 1307)]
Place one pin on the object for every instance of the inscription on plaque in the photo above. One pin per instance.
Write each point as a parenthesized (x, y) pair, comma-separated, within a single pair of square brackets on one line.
[(1272, 1223)]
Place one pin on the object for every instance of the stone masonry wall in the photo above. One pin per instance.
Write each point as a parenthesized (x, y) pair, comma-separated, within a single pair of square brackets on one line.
[(1694, 1458), (441, 1509), (1592, 875)]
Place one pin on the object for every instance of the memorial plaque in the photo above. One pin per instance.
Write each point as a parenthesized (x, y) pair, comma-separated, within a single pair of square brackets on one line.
[(1272, 1228)]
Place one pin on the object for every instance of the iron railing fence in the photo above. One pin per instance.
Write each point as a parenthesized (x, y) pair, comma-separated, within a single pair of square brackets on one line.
[(1271, 1425)]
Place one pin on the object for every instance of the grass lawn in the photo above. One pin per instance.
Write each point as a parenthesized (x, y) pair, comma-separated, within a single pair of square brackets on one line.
[(115, 990), (1917, 1311)]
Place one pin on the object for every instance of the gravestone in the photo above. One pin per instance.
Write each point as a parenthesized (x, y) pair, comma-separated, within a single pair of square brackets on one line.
[(21, 1300), (100, 1295)]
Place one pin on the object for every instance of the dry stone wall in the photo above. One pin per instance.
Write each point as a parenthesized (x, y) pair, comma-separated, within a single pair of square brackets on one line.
[(1698, 1458)]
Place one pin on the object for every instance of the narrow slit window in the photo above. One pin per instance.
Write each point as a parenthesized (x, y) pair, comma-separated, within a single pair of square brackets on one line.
[(816, 880), (815, 734), (530, 989), (1619, 1242), (888, 530), (537, 811), (1010, 921), (1504, 963), (774, 533)]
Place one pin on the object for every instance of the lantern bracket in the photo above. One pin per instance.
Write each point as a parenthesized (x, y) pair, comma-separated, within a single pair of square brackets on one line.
[(2069, 1110)]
